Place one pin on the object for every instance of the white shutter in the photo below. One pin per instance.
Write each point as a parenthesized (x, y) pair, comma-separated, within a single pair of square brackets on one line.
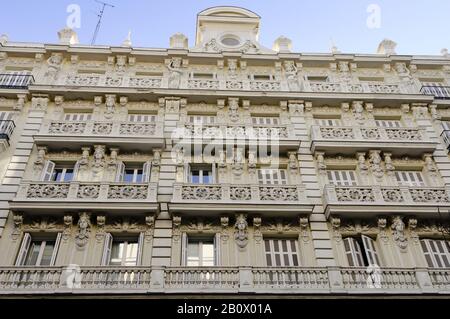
[(187, 173), (140, 248), (120, 172), (353, 252), (265, 120), (328, 122), (388, 123), (213, 171), (47, 172), (76, 168), (55, 249), (5, 116), (272, 176), (370, 250), (184, 247), (410, 178), (342, 177), (107, 249), (436, 252), (23, 251), (146, 171), (217, 252)]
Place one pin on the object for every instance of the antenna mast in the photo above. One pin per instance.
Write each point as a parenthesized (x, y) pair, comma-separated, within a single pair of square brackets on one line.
[(100, 16)]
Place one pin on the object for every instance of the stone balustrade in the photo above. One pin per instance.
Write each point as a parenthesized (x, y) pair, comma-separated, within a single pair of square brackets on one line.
[(246, 132), (102, 128), (261, 280), (86, 192), (149, 82), (140, 82), (237, 193)]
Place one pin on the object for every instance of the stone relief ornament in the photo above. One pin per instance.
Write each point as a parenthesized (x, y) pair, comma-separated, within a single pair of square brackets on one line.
[(382, 224), (176, 231), (84, 229), (43, 223), (390, 168), (336, 225), (232, 69), (125, 224), (291, 72), (224, 221), (67, 231), (412, 225), (101, 220), (53, 66), (110, 104), (241, 231), (17, 225), (304, 234), (238, 162), (375, 162), (257, 235), (200, 225), (233, 107), (358, 111), (99, 156), (277, 226), (398, 232), (150, 227), (175, 72)]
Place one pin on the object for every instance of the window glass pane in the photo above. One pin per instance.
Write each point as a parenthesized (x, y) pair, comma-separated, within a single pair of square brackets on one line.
[(68, 176), (139, 176), (117, 253), (131, 254), (193, 254), (128, 176), (268, 260), (57, 175), (33, 254), (207, 254), (47, 255), (195, 177)]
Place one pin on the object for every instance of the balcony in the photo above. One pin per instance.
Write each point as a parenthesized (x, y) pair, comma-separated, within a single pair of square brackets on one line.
[(127, 135), (351, 139), (6, 130), (85, 195), (15, 81), (281, 136), (364, 201), (439, 92), (371, 88), (266, 199), (101, 80), (73, 280)]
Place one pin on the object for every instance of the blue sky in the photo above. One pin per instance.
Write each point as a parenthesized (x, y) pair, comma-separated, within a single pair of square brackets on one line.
[(418, 26)]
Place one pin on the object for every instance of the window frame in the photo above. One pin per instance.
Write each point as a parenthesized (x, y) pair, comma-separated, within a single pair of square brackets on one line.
[(23, 255), (436, 257), (272, 179), (282, 254), (200, 240), (337, 177)]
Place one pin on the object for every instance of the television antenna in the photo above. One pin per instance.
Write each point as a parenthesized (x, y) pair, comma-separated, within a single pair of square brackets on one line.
[(100, 16)]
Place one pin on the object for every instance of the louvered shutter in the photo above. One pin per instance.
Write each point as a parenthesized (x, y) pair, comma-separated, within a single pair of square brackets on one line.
[(120, 173), (23, 251), (56, 249), (146, 171), (47, 172), (107, 249), (353, 252), (140, 249), (370, 250)]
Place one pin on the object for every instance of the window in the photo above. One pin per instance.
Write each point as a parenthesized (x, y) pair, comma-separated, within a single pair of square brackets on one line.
[(410, 178), (328, 122), (318, 78), (437, 252), (201, 119), (58, 173), (358, 257), (200, 252), (388, 123), (122, 251), (281, 252), (261, 77), (35, 252), (129, 173), (342, 177), (202, 76), (5, 116), (142, 118), (269, 176), (201, 174), (265, 120), (77, 116)]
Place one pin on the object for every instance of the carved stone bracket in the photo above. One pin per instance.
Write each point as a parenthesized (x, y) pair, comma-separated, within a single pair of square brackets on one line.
[(257, 229), (176, 231), (101, 219)]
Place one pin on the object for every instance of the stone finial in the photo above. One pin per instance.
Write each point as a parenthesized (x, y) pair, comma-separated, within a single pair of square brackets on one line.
[(3, 39), (127, 41), (178, 41), (387, 47), (68, 36), (282, 45), (444, 52)]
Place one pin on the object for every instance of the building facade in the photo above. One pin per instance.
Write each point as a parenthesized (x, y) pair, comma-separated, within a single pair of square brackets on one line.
[(225, 167)]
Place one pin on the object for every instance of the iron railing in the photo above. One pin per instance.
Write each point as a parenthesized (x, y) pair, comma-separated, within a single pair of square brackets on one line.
[(438, 91), (15, 81)]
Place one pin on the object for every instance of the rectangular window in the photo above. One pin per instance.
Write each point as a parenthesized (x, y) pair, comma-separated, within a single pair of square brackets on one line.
[(261, 77), (437, 253), (5, 116), (361, 251), (281, 252), (62, 174), (77, 116), (342, 177), (129, 173), (265, 120), (122, 251), (38, 252), (388, 123), (142, 118), (318, 78), (410, 178), (269, 176), (328, 122), (58, 173), (201, 174), (200, 252), (201, 119)]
